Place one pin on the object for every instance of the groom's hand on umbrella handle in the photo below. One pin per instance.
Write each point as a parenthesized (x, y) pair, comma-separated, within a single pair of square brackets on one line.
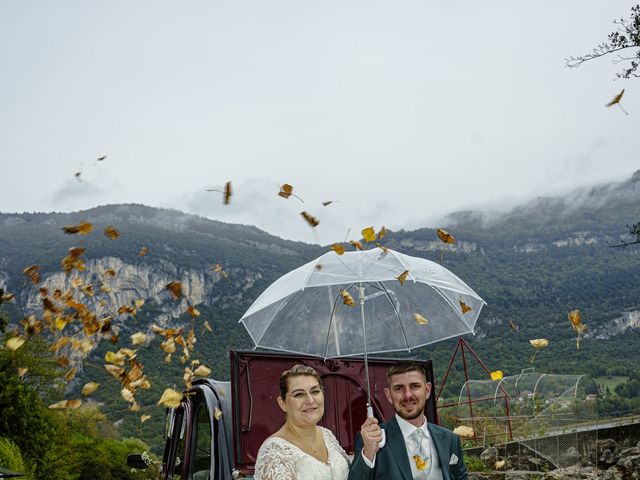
[(371, 437)]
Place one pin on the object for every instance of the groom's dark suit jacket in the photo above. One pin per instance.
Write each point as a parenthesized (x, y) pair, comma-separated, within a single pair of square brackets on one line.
[(392, 461)]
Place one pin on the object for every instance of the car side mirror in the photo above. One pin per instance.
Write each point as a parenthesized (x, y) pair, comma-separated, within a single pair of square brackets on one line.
[(135, 460)]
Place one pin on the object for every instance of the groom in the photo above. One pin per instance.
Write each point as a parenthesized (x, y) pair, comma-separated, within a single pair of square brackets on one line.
[(415, 449)]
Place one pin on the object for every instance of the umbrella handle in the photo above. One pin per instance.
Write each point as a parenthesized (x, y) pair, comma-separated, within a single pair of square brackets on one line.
[(383, 442)]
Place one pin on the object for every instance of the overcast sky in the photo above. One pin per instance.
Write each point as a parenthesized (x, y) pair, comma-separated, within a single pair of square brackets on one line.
[(402, 111)]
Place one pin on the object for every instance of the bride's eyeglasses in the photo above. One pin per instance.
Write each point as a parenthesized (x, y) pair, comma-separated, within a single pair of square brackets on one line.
[(316, 392)]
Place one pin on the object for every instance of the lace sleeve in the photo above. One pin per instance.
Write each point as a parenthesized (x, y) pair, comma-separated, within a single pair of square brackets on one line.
[(331, 438), (275, 462)]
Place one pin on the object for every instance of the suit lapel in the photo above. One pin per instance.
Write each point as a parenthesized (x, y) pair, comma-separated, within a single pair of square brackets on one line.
[(440, 444), (395, 443)]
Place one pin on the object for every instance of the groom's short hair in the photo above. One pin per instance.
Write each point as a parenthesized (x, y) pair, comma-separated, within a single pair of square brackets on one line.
[(405, 366)]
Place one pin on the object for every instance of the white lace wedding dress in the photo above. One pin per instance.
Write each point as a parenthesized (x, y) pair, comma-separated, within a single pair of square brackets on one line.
[(281, 460)]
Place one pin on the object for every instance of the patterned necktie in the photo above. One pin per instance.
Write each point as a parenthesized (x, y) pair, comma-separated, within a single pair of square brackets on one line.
[(421, 460)]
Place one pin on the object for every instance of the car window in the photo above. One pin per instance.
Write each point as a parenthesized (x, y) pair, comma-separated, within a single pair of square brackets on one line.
[(201, 441)]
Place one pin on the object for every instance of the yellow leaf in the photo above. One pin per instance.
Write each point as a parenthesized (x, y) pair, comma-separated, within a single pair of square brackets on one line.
[(347, 299), (83, 228), (170, 398), (14, 343), (138, 338), (193, 311), (464, 431), (285, 190), (445, 236), (499, 464), (616, 99), (382, 233), (539, 343), (112, 232), (465, 308), (207, 326), (339, 249), (114, 358), (217, 413), (70, 374), (497, 375), (421, 464), (175, 289), (369, 234), (66, 404), (144, 418), (7, 297), (139, 302), (22, 371), (420, 319), (402, 277), (127, 395), (311, 220), (143, 251), (202, 371), (89, 388), (168, 346)]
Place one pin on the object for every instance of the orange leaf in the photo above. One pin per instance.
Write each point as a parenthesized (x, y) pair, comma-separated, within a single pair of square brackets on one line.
[(382, 233), (111, 232), (83, 228), (143, 251), (445, 236), (311, 220), (175, 288), (402, 277), (356, 244), (616, 99), (339, 249), (465, 308), (347, 299)]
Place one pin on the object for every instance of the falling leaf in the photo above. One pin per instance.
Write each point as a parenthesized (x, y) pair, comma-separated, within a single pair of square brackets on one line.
[(445, 236), (78, 176), (175, 289), (70, 375), (100, 159), (347, 299), (217, 268), (112, 232), (382, 247), (513, 326), (339, 249), (63, 361), (465, 308), (7, 297), (369, 234), (421, 464), (217, 413), (539, 343), (420, 320), (402, 277), (127, 395), (576, 321), (138, 338), (207, 326), (22, 371), (169, 345), (66, 405), (33, 273), (116, 358), (286, 191), (193, 311), (616, 99), (110, 272), (143, 251), (226, 196), (14, 343), (311, 220), (170, 398), (497, 375), (499, 464), (202, 371), (329, 202), (464, 431), (144, 418), (382, 233), (318, 266), (83, 228), (356, 244), (89, 388)]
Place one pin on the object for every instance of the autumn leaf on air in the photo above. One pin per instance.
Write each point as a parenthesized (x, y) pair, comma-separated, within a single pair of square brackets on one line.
[(497, 375), (403, 276), (143, 251), (226, 195), (286, 191), (616, 101), (329, 202), (7, 297), (33, 273), (144, 418), (66, 405), (202, 371), (311, 220), (369, 234), (445, 236), (576, 322), (347, 299), (465, 308), (175, 289), (382, 247), (112, 232), (101, 158), (78, 176), (420, 320), (464, 431), (70, 375), (538, 343), (339, 249), (170, 398), (138, 338), (499, 464), (421, 463), (207, 326), (356, 244), (193, 311), (217, 413), (14, 343), (382, 233), (83, 228), (513, 326), (89, 388)]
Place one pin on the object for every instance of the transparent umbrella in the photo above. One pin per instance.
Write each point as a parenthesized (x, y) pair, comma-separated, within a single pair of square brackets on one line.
[(305, 312)]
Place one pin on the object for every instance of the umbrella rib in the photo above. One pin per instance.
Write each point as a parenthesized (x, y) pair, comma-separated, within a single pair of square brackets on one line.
[(386, 292), (333, 311), (282, 305), (453, 306), (403, 264)]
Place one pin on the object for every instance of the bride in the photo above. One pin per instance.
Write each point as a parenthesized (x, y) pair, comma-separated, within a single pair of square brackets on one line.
[(301, 450)]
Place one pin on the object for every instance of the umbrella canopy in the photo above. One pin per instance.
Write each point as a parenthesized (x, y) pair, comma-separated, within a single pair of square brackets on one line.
[(303, 311)]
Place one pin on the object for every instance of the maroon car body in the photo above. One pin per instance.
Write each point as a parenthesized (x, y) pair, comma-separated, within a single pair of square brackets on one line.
[(217, 431)]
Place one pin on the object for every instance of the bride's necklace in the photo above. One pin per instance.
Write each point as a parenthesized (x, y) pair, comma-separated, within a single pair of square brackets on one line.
[(315, 448)]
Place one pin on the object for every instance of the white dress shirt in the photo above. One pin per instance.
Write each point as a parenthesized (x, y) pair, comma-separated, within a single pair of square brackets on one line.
[(407, 429)]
